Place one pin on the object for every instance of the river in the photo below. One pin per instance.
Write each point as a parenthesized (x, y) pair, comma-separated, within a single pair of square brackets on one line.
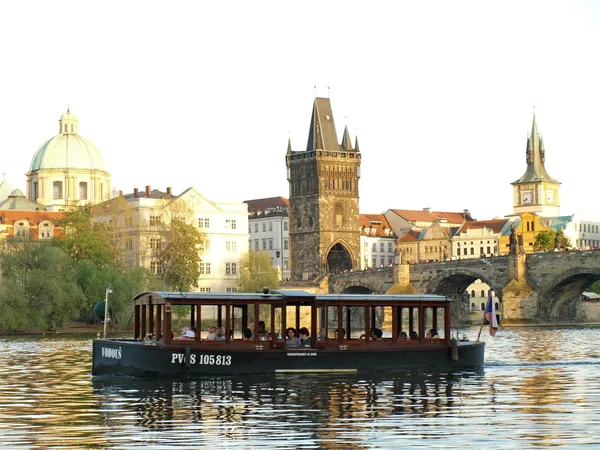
[(540, 387)]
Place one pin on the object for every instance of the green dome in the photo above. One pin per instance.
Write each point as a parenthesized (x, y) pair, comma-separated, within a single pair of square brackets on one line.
[(68, 149)]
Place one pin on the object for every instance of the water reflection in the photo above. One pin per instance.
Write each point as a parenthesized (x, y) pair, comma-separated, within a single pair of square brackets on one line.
[(320, 408)]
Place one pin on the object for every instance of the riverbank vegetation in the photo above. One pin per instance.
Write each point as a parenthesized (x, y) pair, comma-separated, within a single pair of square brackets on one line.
[(47, 284)]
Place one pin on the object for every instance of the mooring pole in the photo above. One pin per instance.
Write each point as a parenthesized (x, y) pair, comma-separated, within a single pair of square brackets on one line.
[(108, 291)]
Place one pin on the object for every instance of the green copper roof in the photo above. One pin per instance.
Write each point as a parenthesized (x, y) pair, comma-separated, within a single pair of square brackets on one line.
[(16, 201)]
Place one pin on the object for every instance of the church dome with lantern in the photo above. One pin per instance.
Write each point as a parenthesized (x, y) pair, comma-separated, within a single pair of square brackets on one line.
[(67, 169)]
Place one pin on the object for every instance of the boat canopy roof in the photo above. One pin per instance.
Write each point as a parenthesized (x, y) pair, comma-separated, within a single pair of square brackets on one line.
[(158, 297)]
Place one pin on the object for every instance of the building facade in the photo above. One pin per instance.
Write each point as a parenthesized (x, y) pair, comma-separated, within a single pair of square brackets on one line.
[(268, 229), (24, 220), (481, 238), (536, 191), (377, 242), (68, 169), (139, 222), (323, 180)]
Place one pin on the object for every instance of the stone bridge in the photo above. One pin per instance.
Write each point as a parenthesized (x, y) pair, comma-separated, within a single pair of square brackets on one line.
[(532, 287)]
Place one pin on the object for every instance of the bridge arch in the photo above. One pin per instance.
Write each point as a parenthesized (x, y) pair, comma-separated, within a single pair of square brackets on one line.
[(559, 299), (358, 290), (455, 281), (339, 257)]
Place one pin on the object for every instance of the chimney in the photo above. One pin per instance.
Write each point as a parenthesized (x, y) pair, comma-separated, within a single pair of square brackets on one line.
[(147, 191), (169, 193), (427, 209), (135, 192)]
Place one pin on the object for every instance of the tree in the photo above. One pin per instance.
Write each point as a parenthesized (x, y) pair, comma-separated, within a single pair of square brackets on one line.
[(38, 288), (179, 255), (84, 240), (257, 272), (562, 242), (544, 240)]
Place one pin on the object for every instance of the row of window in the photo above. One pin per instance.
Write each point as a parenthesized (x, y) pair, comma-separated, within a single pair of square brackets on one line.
[(45, 230), (586, 228), (231, 268), (266, 241), (204, 222), (382, 261), (471, 251), (264, 226), (57, 190), (390, 247), (586, 243), (483, 293)]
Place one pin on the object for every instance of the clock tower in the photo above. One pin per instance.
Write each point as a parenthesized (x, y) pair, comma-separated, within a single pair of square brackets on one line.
[(536, 191)]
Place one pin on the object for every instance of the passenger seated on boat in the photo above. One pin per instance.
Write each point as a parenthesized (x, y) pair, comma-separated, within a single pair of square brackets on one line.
[(432, 334), (292, 340), (212, 334), (414, 336), (376, 334), (403, 336), (337, 333), (305, 339), (263, 334), (220, 334), (188, 334), (322, 335), (247, 334)]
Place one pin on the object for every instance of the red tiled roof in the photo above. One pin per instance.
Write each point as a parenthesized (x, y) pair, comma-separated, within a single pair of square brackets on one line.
[(412, 215), (377, 222), (410, 236), (495, 225), (261, 204), (33, 217)]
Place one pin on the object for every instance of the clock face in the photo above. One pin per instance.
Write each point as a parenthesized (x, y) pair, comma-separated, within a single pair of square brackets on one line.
[(550, 196), (528, 197)]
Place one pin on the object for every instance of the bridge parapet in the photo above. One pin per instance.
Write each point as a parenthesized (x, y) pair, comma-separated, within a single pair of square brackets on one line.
[(538, 286)]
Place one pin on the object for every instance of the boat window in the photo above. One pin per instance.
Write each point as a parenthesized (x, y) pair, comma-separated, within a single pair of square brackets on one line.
[(278, 333), (298, 316), (264, 322), (433, 319), (332, 322), (212, 322), (321, 323), (382, 318), (353, 321), (408, 318), (242, 323)]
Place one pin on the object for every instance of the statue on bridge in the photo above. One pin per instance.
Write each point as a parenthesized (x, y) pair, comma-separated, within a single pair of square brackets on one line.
[(516, 242)]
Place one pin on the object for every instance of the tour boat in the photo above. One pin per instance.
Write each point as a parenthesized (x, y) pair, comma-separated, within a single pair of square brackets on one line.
[(210, 333)]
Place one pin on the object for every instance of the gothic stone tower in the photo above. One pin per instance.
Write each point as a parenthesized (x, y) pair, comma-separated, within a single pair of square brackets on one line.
[(536, 191), (324, 222)]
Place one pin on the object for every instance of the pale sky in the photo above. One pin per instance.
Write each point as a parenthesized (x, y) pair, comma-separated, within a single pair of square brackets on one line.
[(205, 94)]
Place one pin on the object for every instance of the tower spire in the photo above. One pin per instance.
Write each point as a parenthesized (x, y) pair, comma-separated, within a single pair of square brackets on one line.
[(346, 141), (535, 153)]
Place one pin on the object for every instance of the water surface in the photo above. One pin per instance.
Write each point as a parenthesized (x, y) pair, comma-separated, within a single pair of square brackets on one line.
[(540, 388)]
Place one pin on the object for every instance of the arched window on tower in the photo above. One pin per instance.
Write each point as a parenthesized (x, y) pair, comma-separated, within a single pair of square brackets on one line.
[(339, 215), (71, 128), (83, 191), (57, 190), (65, 127)]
